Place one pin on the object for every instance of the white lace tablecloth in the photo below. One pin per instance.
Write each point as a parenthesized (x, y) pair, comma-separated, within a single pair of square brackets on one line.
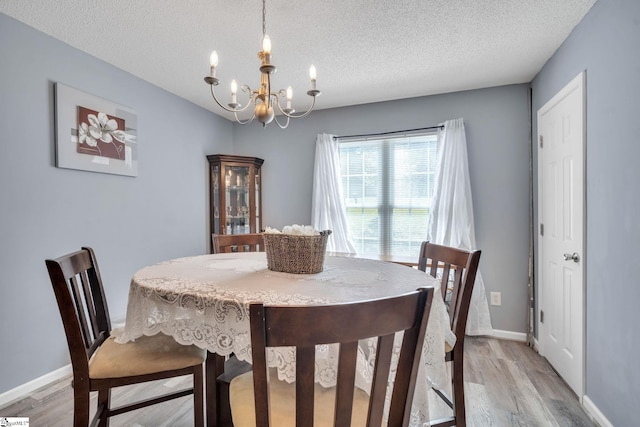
[(204, 300)]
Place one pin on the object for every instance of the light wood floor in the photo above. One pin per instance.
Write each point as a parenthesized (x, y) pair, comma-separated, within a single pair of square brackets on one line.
[(507, 384)]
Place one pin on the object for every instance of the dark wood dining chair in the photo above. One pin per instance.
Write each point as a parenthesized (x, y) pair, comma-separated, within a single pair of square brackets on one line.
[(98, 362), (221, 370), (304, 403), (457, 270), (252, 242)]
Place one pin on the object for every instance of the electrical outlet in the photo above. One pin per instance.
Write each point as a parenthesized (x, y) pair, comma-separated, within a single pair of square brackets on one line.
[(496, 298)]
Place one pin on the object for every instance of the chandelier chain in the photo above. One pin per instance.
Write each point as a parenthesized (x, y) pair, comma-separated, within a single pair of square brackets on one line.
[(264, 18)]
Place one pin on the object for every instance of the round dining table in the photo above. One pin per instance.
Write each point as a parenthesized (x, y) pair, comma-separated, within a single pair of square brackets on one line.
[(204, 300)]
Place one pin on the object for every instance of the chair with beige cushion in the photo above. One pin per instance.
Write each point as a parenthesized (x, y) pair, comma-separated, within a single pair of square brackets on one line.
[(98, 362), (252, 242), (306, 404), (226, 369), (457, 270)]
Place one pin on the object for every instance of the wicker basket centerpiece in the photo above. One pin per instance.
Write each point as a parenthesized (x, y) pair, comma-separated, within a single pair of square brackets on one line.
[(295, 253)]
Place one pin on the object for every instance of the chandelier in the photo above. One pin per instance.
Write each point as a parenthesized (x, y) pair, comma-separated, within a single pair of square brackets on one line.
[(262, 99)]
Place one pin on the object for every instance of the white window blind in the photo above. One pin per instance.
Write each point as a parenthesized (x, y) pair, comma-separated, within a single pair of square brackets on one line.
[(388, 186)]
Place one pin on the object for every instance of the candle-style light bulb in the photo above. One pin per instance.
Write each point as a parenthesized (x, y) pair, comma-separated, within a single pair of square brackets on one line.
[(213, 60), (266, 44), (234, 90), (289, 96), (313, 75)]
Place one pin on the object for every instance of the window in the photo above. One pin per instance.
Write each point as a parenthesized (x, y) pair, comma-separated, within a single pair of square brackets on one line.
[(388, 186)]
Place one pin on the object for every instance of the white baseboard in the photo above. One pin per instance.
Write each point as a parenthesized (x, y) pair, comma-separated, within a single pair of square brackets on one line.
[(510, 335), (13, 395), (593, 411)]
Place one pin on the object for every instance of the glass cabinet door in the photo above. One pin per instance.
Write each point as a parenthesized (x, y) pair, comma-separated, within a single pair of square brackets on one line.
[(235, 194), (237, 200), (215, 197)]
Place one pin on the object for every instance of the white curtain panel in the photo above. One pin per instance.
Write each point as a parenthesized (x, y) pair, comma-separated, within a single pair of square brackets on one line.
[(451, 219), (328, 211)]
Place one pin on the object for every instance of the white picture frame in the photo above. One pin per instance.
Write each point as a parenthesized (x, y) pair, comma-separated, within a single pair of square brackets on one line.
[(94, 134)]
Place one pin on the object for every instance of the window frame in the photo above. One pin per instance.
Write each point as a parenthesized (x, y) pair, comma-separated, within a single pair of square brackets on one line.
[(386, 195)]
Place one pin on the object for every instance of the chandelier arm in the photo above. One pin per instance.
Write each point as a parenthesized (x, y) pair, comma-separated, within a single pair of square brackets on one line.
[(251, 98), (297, 116), (231, 110), (244, 122), (274, 99), (275, 118)]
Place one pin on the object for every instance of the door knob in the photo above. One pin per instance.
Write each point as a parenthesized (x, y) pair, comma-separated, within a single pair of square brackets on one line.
[(574, 256)]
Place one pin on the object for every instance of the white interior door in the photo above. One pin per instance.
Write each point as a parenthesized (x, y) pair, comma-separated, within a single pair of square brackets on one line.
[(561, 133)]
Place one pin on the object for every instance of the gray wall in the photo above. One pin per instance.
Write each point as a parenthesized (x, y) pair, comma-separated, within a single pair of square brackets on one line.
[(46, 212), (605, 44), (497, 125)]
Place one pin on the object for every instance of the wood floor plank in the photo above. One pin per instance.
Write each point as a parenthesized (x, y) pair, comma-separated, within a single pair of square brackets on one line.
[(480, 408), (506, 384), (528, 400)]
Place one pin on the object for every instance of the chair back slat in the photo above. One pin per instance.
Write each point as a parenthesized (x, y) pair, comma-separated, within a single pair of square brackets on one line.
[(89, 303), (464, 294), (102, 318), (225, 243), (260, 377), (446, 274), (457, 285), (304, 327), (304, 385), (405, 380), (384, 352), (347, 359), (88, 332)]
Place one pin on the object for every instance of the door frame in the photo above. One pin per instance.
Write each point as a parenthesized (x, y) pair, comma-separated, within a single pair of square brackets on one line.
[(580, 82)]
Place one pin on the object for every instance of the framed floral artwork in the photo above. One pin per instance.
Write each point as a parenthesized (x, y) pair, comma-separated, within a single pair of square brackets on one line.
[(94, 134)]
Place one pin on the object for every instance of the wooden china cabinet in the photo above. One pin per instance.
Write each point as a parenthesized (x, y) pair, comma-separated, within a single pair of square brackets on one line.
[(235, 194)]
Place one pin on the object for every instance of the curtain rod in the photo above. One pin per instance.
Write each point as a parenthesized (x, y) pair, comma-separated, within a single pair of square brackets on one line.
[(388, 133)]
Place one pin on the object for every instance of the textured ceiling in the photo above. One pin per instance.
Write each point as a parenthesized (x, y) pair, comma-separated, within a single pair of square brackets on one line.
[(364, 50)]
